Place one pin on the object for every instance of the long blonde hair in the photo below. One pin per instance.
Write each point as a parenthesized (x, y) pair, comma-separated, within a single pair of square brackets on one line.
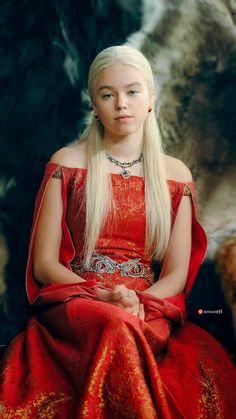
[(98, 183)]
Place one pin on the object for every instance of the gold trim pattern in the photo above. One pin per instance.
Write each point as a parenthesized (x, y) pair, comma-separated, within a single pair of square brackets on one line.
[(46, 405), (209, 404), (187, 190), (57, 174)]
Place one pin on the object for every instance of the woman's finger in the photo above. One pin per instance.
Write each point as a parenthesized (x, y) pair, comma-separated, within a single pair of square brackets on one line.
[(119, 292), (141, 312), (131, 299), (126, 296)]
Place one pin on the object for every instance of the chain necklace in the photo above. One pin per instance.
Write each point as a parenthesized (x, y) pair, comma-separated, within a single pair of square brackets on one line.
[(125, 173)]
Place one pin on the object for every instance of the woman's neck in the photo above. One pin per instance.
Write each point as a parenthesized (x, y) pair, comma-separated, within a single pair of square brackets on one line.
[(124, 148)]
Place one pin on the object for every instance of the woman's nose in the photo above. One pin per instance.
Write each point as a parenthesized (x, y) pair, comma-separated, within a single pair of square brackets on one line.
[(121, 102)]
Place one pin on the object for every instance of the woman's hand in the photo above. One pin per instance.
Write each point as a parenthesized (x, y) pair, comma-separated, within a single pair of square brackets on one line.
[(128, 298), (104, 295), (124, 298)]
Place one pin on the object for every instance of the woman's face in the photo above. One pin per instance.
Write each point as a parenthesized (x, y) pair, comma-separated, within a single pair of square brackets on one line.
[(121, 99)]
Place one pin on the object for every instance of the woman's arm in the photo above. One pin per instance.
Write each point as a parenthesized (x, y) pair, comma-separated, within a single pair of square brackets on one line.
[(47, 268), (174, 275)]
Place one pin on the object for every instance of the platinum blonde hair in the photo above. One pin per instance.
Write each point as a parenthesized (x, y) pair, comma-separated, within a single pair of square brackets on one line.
[(98, 194)]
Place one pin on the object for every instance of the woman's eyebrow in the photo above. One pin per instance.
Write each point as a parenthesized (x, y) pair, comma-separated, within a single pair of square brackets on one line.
[(106, 86), (135, 83)]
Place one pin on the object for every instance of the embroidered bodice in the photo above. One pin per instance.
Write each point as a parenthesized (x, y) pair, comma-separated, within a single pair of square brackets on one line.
[(120, 249), (119, 256)]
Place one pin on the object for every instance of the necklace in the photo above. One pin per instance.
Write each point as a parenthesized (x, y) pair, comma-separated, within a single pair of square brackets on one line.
[(124, 172)]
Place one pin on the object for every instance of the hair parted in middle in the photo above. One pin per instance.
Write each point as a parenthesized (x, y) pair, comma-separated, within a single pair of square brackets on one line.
[(98, 194)]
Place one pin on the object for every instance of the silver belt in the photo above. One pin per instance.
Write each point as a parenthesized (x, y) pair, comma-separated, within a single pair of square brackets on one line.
[(103, 264)]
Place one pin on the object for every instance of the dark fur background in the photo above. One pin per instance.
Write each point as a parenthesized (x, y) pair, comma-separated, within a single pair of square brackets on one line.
[(46, 48)]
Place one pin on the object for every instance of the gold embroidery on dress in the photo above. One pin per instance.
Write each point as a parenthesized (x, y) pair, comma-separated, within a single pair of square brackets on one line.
[(120, 367), (46, 405), (96, 385), (187, 190), (58, 173), (209, 403)]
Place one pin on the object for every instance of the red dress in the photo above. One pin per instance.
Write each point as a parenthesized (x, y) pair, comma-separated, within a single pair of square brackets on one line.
[(82, 358)]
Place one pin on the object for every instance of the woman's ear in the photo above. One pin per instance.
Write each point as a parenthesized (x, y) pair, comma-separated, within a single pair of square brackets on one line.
[(151, 104), (152, 100)]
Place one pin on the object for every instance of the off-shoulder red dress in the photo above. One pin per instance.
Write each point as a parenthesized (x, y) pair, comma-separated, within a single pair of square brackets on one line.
[(82, 358)]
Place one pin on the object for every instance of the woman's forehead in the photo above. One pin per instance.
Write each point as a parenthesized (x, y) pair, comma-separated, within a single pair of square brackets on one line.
[(120, 75)]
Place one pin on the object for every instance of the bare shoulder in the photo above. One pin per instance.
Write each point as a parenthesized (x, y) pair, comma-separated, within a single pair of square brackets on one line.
[(70, 156), (176, 169)]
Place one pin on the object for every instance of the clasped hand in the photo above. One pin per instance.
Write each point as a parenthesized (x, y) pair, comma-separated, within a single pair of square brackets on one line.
[(122, 297)]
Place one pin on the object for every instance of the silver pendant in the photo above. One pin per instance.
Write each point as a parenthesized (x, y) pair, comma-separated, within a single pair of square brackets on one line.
[(125, 173)]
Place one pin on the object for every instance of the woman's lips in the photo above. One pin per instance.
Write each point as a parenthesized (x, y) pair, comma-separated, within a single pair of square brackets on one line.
[(123, 117)]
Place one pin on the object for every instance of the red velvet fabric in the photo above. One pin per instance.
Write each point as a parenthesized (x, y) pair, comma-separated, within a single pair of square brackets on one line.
[(82, 358)]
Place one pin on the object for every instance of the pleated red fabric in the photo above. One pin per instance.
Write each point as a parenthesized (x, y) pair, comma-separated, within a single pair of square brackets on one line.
[(82, 358)]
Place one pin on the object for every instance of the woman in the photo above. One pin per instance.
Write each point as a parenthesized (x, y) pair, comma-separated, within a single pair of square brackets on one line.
[(107, 339)]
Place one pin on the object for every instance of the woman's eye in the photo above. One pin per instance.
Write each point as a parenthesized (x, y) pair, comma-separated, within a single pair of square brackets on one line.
[(132, 92), (107, 95)]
